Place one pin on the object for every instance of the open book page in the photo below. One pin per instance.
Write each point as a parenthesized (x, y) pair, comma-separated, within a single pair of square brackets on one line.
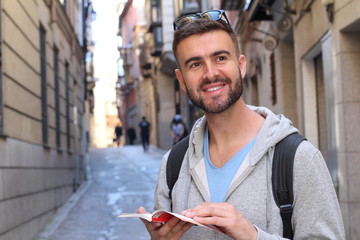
[(146, 216), (164, 216)]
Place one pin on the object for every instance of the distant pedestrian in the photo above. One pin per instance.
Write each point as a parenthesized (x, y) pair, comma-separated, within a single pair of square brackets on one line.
[(178, 129), (145, 133), (131, 133), (118, 134)]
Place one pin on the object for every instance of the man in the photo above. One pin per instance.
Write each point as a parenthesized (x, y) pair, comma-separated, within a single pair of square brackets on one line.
[(131, 135), (145, 133), (178, 129), (118, 134), (225, 179)]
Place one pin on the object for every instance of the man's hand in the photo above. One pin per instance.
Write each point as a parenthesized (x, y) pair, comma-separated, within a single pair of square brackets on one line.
[(224, 216), (171, 230)]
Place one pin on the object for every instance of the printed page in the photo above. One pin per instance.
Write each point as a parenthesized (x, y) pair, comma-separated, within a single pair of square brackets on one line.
[(146, 216), (164, 216)]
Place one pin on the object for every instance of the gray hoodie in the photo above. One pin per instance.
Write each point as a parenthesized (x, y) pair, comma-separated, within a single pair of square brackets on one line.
[(316, 213)]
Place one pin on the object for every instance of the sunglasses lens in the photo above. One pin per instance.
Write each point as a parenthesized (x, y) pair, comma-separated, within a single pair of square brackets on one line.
[(212, 15), (185, 20)]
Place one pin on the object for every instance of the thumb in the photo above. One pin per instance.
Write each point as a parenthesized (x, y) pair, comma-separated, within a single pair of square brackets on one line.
[(141, 210)]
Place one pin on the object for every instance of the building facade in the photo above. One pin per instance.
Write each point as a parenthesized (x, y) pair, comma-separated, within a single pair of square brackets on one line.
[(302, 58), (137, 86), (42, 115)]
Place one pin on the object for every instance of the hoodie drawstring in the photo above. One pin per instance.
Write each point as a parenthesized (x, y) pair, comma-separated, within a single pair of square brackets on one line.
[(268, 183)]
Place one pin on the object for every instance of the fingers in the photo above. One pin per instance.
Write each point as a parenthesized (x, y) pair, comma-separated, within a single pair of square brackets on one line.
[(141, 210), (225, 216), (182, 228), (218, 214), (146, 223), (168, 226), (151, 226), (210, 209), (173, 229)]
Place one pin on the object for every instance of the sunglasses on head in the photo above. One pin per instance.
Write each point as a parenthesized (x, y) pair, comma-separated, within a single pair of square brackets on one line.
[(214, 15)]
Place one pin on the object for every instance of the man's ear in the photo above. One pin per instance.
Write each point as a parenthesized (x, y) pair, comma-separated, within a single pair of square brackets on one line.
[(180, 79), (242, 65)]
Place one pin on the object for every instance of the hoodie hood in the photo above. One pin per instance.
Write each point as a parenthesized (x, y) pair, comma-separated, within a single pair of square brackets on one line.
[(274, 129)]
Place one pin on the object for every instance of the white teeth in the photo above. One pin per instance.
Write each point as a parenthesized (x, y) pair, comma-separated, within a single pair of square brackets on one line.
[(213, 89)]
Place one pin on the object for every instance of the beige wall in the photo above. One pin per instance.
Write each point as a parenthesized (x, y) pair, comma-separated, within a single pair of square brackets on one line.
[(35, 180), (340, 48), (348, 108), (33, 186), (147, 105), (285, 82), (338, 42), (166, 110)]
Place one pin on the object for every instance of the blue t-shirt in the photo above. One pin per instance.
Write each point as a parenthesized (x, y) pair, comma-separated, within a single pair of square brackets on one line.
[(219, 179)]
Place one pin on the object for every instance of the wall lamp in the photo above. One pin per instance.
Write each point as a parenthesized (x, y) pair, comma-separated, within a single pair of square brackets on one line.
[(329, 5)]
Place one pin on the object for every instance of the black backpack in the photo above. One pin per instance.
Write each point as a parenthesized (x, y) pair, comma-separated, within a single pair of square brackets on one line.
[(282, 174)]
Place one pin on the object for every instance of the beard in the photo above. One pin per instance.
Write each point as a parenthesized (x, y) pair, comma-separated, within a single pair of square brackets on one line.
[(218, 105)]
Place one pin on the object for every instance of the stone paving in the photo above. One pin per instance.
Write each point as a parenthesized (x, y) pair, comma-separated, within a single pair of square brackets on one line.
[(121, 180)]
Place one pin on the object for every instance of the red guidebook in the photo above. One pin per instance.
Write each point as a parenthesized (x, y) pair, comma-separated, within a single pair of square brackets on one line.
[(164, 216)]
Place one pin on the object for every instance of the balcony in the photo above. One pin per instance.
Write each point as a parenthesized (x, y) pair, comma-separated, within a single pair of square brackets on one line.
[(232, 4), (126, 54), (145, 58), (259, 11), (145, 61), (156, 39)]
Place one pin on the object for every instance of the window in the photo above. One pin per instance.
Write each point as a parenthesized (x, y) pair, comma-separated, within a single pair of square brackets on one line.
[(1, 92), (44, 109), (254, 91), (64, 3), (177, 96), (57, 98), (273, 79), (155, 10), (67, 103), (321, 106), (319, 102), (192, 4), (1, 96)]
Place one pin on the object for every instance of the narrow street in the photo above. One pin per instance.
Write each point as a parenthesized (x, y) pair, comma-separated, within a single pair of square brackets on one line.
[(122, 179)]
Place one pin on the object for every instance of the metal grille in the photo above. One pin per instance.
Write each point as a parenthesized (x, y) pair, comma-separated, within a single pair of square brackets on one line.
[(44, 110), (321, 106), (57, 98), (67, 96)]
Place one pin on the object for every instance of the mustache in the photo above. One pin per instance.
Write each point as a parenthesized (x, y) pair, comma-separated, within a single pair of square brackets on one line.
[(215, 80)]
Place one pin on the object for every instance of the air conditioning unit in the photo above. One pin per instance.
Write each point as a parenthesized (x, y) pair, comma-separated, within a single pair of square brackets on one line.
[(285, 24), (270, 43)]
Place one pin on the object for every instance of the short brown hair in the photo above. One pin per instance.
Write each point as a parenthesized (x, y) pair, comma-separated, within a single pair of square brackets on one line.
[(200, 26)]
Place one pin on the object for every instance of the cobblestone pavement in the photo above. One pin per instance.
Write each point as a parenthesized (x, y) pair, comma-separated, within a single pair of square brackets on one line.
[(121, 180)]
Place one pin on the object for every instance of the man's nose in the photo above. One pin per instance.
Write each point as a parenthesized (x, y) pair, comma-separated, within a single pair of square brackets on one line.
[(210, 71)]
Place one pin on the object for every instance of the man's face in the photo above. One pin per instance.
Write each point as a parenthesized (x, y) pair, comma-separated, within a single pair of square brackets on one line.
[(211, 72)]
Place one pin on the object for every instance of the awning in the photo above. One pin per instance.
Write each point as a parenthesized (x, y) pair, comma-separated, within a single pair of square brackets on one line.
[(168, 64)]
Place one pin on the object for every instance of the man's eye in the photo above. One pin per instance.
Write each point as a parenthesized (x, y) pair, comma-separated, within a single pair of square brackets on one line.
[(221, 58), (194, 65)]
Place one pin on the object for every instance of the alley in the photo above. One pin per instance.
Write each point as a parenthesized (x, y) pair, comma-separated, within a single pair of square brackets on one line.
[(122, 179)]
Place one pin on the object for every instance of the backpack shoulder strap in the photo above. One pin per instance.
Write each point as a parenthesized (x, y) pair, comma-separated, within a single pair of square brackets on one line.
[(282, 178), (174, 162)]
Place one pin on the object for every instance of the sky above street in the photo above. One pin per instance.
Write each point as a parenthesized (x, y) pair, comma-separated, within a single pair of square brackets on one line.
[(105, 37)]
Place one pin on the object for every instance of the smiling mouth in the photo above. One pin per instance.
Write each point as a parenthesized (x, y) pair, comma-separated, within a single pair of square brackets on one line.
[(214, 88)]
